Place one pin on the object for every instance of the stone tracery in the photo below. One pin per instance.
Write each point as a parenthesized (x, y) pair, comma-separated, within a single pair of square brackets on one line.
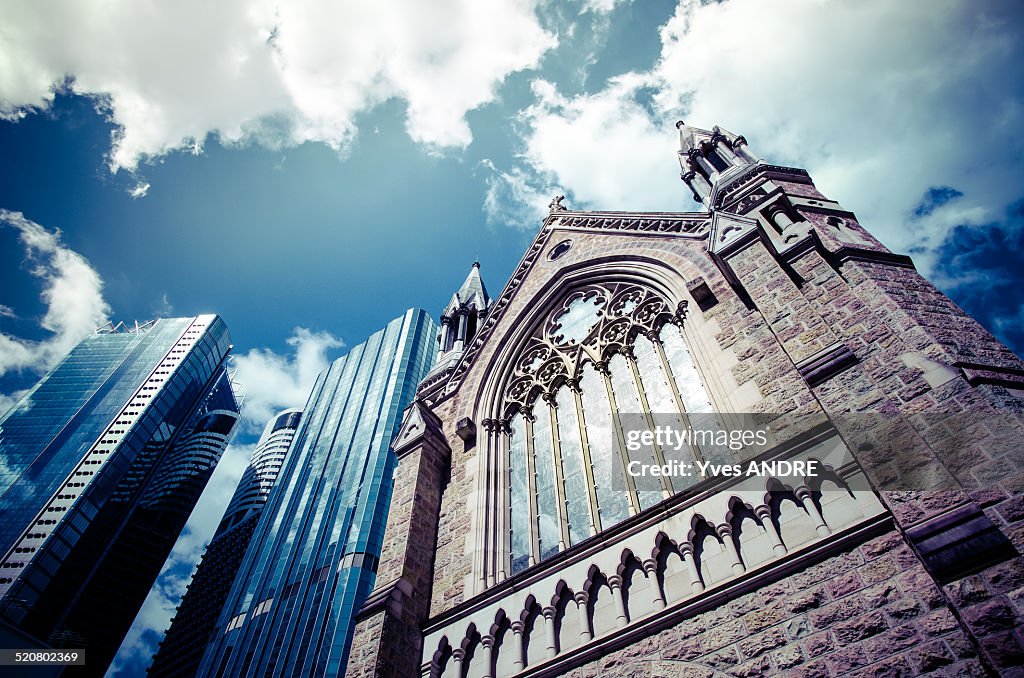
[(608, 353)]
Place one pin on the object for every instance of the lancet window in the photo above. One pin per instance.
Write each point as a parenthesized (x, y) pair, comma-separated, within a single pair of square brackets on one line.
[(610, 363)]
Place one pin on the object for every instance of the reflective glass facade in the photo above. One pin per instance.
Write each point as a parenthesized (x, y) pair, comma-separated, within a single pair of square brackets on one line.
[(314, 555), (102, 461), (190, 630)]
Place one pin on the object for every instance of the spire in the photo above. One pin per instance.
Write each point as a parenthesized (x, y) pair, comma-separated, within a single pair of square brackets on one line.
[(463, 315), (472, 293)]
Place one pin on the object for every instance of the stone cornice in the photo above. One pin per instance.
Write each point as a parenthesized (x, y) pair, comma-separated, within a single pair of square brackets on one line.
[(727, 189), (686, 223), (390, 597)]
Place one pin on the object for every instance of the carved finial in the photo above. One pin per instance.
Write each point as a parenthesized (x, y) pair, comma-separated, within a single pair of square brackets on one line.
[(556, 204)]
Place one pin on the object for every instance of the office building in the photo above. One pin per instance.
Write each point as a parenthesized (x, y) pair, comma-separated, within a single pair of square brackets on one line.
[(191, 628), (314, 553), (103, 461)]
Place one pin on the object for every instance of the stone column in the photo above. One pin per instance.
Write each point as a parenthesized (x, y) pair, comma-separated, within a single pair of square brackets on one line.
[(458, 655), (700, 161), (549, 631), (582, 598), (739, 144), (487, 656), (781, 219), (723, 148), (803, 493), (725, 534), (686, 551), (699, 185), (517, 645), (765, 515), (651, 568), (615, 584)]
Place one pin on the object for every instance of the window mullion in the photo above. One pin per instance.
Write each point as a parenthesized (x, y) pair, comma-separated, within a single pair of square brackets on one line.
[(498, 429), (531, 477), (556, 449), (659, 454), (634, 499), (671, 381), (588, 467)]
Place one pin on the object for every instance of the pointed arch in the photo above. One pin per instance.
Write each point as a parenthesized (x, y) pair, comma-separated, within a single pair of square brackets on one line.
[(552, 366), (789, 515), (673, 575)]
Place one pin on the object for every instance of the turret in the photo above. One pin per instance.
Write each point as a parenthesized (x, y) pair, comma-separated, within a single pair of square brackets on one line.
[(463, 316), (706, 157)]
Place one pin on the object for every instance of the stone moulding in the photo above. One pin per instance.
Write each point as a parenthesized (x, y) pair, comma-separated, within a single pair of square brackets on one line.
[(727, 190), (694, 224), (990, 374), (716, 595), (826, 364), (638, 523), (960, 542)]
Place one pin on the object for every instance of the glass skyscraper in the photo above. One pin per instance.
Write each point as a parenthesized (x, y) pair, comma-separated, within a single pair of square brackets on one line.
[(314, 555), (193, 624), (100, 465)]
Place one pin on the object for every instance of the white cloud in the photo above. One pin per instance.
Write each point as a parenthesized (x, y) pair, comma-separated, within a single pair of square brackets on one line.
[(169, 75), (871, 97), (879, 101), (601, 6), (514, 198), (603, 149), (72, 291), (272, 382), (164, 308), (140, 190)]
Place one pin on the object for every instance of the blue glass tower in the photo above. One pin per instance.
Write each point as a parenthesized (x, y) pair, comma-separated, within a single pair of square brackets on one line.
[(313, 558), (100, 465), (194, 622)]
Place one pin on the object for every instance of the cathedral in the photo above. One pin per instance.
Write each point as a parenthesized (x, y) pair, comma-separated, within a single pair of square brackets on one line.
[(747, 440)]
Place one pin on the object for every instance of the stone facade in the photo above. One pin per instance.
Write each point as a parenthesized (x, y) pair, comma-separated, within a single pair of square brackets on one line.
[(905, 561)]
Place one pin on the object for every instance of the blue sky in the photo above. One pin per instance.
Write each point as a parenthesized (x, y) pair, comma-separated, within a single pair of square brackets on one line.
[(310, 170)]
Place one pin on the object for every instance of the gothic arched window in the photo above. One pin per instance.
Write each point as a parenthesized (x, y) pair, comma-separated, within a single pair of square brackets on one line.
[(609, 362)]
